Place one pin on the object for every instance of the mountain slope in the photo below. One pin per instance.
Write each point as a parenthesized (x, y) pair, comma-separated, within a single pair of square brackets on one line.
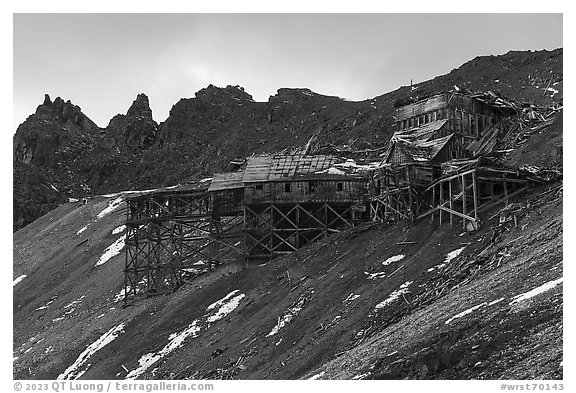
[(371, 302)]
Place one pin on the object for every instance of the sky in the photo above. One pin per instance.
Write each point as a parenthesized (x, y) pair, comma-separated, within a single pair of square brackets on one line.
[(102, 61)]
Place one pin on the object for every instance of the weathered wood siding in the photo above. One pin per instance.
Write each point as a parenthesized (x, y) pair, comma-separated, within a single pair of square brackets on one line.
[(451, 150), (465, 115), (421, 107), (345, 190), (226, 202)]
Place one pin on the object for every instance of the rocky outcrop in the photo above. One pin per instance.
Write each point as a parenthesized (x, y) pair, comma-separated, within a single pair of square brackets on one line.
[(56, 127), (136, 129), (49, 150)]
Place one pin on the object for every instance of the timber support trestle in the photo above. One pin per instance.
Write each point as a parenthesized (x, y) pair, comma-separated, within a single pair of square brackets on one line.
[(171, 237), (273, 229)]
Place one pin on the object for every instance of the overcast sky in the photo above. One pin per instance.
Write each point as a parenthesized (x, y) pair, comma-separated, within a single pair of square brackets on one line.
[(102, 61)]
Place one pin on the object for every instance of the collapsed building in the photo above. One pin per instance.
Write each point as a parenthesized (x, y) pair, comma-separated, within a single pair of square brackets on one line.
[(437, 165)]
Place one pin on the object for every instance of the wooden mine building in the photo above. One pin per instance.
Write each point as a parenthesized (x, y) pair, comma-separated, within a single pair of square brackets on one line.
[(275, 204), (429, 134), (288, 201), (466, 115)]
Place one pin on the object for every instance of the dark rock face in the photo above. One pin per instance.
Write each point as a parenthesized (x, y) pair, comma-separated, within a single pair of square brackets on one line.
[(56, 127), (136, 129), (48, 150), (60, 146)]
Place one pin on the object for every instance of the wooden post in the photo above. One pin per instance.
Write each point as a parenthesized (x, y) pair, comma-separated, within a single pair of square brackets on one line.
[(450, 194), (491, 190), (476, 129), (464, 200), (410, 201), (297, 225), (441, 200), (433, 200), (475, 196)]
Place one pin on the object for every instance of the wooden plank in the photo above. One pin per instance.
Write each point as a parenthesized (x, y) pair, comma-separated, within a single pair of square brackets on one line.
[(464, 200), (475, 196), (339, 216), (463, 216), (455, 176), (451, 200), (441, 200)]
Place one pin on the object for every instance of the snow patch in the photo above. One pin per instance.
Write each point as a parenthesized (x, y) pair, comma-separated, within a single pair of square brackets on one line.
[(449, 257), (226, 305), (119, 229), (75, 302), (361, 376), (289, 315), (395, 258), (374, 276), (17, 280), (554, 91), (222, 301), (472, 309), (536, 291), (122, 193), (395, 295), (176, 341), (112, 205), (495, 301), (317, 376), (113, 250), (75, 371), (465, 312), (226, 308), (332, 171), (82, 229), (351, 297)]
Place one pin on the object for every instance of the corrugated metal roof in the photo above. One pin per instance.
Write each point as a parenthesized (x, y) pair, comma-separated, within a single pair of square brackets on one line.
[(435, 145), (418, 152), (226, 181), (257, 169), (422, 133), (279, 167)]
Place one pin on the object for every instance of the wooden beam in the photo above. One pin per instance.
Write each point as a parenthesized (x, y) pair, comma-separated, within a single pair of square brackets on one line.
[(441, 200), (285, 217), (338, 215), (464, 200), (475, 196), (455, 176), (433, 200), (463, 216), (451, 199)]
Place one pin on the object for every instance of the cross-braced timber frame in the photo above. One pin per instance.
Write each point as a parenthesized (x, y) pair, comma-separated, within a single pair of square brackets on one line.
[(171, 236), (465, 194), (273, 229), (397, 200)]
